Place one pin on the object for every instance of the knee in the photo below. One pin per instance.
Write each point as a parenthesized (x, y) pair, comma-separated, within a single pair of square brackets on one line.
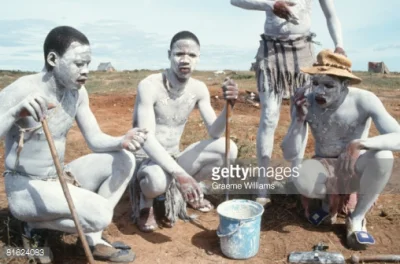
[(383, 155), (310, 181), (221, 148), (233, 149), (125, 161), (382, 160), (151, 181), (98, 218)]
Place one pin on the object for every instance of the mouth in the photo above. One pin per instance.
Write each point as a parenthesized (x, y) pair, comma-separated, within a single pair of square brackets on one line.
[(184, 70), (81, 81), (320, 100)]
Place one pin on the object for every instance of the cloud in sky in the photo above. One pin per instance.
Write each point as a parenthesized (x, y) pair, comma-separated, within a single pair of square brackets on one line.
[(136, 34), (388, 47)]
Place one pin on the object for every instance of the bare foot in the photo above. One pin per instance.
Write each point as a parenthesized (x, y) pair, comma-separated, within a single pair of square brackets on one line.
[(106, 253), (147, 221), (265, 202)]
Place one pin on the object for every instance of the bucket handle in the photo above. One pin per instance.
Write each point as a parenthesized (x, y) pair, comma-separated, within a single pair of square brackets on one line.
[(232, 232)]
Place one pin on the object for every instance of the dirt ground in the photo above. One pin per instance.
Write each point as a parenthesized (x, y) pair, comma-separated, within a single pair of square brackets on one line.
[(283, 231)]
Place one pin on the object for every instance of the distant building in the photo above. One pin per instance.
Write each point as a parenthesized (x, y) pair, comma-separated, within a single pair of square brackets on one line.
[(106, 66), (378, 67)]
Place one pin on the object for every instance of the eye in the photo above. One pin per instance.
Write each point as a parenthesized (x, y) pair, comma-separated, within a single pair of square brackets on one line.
[(315, 83), (79, 64), (179, 54), (192, 55), (329, 86)]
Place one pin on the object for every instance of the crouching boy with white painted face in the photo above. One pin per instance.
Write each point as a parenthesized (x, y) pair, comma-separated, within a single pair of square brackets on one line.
[(163, 104), (349, 169), (96, 181)]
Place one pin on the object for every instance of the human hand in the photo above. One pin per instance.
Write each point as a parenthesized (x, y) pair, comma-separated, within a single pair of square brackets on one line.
[(189, 188), (230, 90), (301, 104), (347, 160), (134, 139), (282, 10), (341, 51), (34, 105)]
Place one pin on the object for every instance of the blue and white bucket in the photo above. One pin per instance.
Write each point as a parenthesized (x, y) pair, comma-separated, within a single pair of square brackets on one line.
[(239, 228)]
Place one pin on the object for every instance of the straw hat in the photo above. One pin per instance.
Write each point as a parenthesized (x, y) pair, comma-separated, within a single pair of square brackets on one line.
[(332, 63)]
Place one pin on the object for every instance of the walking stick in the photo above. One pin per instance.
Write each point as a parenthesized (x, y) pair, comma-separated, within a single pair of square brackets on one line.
[(227, 144), (66, 191)]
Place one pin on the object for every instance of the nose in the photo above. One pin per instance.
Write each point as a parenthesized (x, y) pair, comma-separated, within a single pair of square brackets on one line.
[(320, 90), (85, 70), (185, 59)]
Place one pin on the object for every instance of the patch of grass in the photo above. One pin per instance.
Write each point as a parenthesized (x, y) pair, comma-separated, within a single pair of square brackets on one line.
[(243, 76), (127, 81)]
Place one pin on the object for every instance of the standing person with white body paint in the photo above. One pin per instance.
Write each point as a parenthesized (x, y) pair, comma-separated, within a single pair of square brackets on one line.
[(96, 181), (286, 46), (346, 159), (163, 104)]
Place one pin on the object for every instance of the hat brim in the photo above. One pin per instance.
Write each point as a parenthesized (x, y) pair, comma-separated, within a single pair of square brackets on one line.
[(332, 71)]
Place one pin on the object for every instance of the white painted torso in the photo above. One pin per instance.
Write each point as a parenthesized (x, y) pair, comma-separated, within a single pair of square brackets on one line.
[(334, 129), (60, 121), (171, 112), (277, 27)]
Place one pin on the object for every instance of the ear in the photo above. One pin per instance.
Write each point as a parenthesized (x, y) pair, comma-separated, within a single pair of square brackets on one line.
[(346, 82), (169, 54), (52, 58)]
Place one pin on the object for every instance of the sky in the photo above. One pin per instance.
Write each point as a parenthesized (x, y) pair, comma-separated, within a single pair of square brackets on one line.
[(135, 34)]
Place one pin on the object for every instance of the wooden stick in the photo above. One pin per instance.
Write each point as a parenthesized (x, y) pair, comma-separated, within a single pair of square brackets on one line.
[(227, 144), (66, 191), (375, 258)]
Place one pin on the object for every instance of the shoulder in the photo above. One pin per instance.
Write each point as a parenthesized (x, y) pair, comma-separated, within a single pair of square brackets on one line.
[(366, 100), (21, 87), (198, 87), (362, 97), (196, 82), (151, 82), (149, 88)]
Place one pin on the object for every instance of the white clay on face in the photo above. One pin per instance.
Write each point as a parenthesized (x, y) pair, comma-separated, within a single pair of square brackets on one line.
[(327, 90), (72, 68), (184, 57)]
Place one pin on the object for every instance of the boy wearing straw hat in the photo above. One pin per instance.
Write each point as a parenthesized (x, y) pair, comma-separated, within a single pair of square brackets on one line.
[(346, 160)]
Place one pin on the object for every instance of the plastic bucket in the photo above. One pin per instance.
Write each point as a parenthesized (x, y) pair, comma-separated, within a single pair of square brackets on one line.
[(239, 228)]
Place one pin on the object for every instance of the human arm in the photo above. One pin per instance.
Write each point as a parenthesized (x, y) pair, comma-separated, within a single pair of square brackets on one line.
[(260, 5), (296, 138), (388, 127), (18, 101), (334, 25), (278, 8), (216, 125), (99, 141), (8, 112)]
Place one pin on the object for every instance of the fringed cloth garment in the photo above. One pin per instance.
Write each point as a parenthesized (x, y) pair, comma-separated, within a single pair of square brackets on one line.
[(279, 61), (175, 205), (341, 189)]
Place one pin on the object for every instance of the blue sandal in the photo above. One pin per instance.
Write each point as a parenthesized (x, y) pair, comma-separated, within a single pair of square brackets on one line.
[(358, 240)]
